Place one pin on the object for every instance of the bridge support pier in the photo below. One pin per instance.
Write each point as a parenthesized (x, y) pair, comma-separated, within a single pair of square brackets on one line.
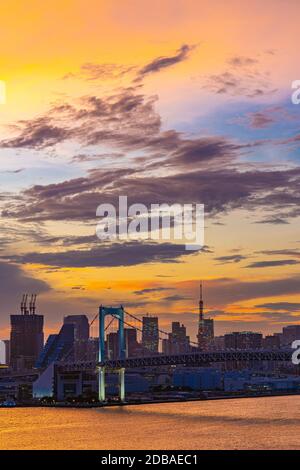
[(101, 384), (122, 384), (117, 313)]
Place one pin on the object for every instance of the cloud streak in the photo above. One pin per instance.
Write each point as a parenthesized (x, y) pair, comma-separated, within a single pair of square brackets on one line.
[(109, 255), (272, 264), (164, 62)]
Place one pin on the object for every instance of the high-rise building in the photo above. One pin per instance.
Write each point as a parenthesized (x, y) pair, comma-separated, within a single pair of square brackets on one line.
[(150, 334), (26, 337), (81, 326), (243, 340), (205, 326), (81, 334), (133, 348), (290, 333), (178, 342), (92, 349), (112, 345)]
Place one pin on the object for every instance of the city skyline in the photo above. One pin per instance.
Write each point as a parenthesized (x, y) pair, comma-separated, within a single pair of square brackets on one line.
[(162, 104), (149, 336)]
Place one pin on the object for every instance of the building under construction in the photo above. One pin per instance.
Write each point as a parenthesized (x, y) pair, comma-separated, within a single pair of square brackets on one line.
[(26, 337)]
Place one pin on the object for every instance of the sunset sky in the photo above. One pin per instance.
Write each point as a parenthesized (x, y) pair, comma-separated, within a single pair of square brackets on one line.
[(162, 101)]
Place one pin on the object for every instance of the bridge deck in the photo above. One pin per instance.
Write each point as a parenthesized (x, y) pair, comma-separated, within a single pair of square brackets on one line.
[(192, 359)]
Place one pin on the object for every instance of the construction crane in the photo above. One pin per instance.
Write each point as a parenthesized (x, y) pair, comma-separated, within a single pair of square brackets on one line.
[(32, 304), (22, 304), (24, 309)]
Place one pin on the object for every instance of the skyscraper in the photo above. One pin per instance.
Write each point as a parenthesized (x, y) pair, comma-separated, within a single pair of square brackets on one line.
[(131, 342), (81, 326), (81, 334), (150, 335), (26, 337), (178, 342), (112, 345), (205, 326)]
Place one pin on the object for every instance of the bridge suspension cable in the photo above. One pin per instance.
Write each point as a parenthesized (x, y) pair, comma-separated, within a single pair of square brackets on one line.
[(128, 324), (159, 330)]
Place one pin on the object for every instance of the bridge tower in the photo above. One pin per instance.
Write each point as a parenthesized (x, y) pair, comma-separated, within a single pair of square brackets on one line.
[(116, 312)]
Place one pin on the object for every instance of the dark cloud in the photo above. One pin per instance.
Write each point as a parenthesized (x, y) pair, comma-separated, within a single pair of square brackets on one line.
[(109, 255), (269, 264), (195, 151), (150, 290), (174, 298), (262, 319), (242, 77), (37, 134), (160, 63), (281, 306), (283, 252), (233, 84), (219, 190), (126, 120), (230, 258), (220, 292), (93, 71), (13, 282), (273, 220), (172, 167)]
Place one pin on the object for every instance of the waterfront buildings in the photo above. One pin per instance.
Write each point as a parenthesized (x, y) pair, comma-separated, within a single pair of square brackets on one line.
[(249, 381), (243, 340), (198, 378), (73, 344)]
